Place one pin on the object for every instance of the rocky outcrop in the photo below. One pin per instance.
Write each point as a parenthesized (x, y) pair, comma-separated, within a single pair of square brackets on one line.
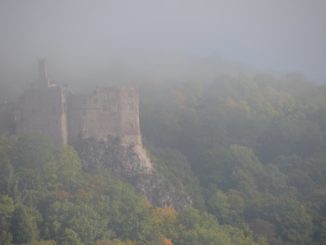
[(131, 164)]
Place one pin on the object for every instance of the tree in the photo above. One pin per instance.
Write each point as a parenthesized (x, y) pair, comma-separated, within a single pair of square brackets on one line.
[(219, 205), (6, 210), (21, 226), (69, 237), (195, 228), (291, 220)]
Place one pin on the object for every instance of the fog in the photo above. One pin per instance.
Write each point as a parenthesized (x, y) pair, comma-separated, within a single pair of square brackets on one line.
[(96, 42), (221, 141)]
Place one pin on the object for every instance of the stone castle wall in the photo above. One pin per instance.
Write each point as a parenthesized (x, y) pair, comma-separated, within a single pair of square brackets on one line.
[(107, 112), (43, 110), (129, 116)]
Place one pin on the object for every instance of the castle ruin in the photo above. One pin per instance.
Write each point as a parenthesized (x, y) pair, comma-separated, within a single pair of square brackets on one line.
[(64, 117)]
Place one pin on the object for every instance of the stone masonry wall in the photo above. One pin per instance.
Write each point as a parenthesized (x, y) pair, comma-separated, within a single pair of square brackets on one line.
[(105, 112), (43, 110)]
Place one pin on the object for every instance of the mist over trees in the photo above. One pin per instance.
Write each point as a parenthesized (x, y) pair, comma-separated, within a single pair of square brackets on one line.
[(245, 148), (249, 149)]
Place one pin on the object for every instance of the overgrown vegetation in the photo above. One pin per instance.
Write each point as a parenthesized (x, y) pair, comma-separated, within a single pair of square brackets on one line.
[(251, 150), (257, 146)]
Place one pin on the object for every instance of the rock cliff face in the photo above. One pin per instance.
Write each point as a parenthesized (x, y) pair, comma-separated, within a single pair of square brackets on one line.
[(131, 164)]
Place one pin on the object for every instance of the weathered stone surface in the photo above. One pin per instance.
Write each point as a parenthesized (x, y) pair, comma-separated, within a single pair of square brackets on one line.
[(63, 117), (106, 112), (127, 163), (104, 128), (6, 117), (42, 109)]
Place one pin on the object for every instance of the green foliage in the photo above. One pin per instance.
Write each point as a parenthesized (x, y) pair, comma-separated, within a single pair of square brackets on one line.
[(51, 242), (201, 228), (21, 226), (291, 220), (6, 210), (69, 238), (174, 166), (248, 150), (248, 139)]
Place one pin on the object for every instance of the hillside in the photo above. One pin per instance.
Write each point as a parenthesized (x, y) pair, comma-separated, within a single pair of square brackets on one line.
[(247, 150)]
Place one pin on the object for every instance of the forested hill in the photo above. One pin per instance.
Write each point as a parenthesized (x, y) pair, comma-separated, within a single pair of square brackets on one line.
[(257, 145), (250, 150)]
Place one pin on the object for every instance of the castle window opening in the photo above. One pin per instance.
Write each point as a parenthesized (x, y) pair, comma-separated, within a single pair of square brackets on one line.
[(95, 101), (105, 108)]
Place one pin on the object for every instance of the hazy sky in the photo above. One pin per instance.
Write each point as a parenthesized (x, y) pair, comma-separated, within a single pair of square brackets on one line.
[(83, 39)]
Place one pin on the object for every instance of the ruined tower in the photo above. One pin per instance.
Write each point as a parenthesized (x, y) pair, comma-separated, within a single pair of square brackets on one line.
[(107, 112), (43, 80), (42, 108)]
